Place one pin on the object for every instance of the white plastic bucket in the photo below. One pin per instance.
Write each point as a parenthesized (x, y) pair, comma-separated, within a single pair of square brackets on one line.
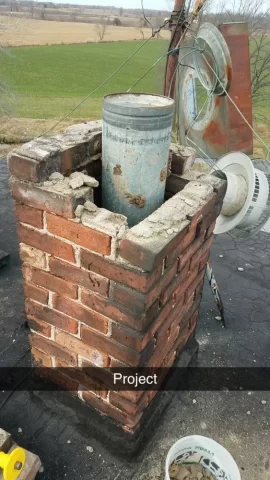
[(214, 457)]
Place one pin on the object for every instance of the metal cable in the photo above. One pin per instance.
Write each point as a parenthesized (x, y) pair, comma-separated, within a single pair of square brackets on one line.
[(155, 32), (154, 64), (234, 104)]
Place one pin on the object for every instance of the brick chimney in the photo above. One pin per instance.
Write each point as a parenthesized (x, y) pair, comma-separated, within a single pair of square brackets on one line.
[(96, 292)]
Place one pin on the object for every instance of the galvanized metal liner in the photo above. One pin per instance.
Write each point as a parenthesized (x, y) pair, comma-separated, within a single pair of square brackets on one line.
[(135, 150)]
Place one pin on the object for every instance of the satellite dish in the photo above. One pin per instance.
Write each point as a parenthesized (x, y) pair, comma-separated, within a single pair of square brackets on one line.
[(246, 205)]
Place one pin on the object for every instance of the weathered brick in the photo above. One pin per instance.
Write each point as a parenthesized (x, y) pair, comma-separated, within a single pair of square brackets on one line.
[(46, 280), (59, 378), (31, 466), (204, 259), (29, 215), (195, 284), (175, 184), (138, 302), (126, 406), (33, 256), (41, 358), (42, 199), (120, 273), (86, 383), (210, 230), (175, 253), (81, 313), (5, 441), (112, 348), (89, 280), (148, 258), (90, 353), (38, 294), (51, 348), (38, 326), (199, 254), (139, 340), (47, 243), (52, 317), (78, 154), (24, 168), (118, 313), (79, 234), (171, 288), (108, 409)]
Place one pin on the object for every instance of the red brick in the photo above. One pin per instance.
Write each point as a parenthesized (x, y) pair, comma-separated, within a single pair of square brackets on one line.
[(138, 341), (33, 256), (139, 302), (210, 230), (119, 272), (41, 358), (85, 382), (199, 254), (126, 406), (171, 322), (46, 280), (39, 326), (39, 198), (53, 349), (89, 280), (79, 234), (197, 282), (36, 293), (58, 377), (170, 289), (29, 215), (94, 356), (148, 258), (83, 314), (186, 249), (114, 312), (76, 155), (108, 409), (23, 168), (51, 316), (46, 243), (112, 348), (182, 246)]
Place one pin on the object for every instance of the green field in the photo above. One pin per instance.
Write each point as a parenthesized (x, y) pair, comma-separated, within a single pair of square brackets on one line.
[(48, 81)]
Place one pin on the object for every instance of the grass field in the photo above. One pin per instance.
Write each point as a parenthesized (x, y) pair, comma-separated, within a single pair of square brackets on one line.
[(25, 32), (48, 82)]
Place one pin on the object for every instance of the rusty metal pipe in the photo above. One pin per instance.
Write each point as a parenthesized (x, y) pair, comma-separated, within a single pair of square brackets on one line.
[(172, 61)]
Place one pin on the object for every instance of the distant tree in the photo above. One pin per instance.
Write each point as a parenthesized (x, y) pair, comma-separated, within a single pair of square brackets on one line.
[(42, 13), (117, 22), (121, 11), (101, 28), (141, 24), (73, 16)]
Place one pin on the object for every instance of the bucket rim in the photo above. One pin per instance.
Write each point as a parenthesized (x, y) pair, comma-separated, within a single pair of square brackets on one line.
[(211, 441), (145, 94)]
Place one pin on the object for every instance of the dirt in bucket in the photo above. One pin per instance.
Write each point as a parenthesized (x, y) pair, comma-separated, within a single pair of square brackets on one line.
[(189, 471)]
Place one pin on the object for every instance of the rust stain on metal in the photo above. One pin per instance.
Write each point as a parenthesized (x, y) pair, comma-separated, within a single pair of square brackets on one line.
[(138, 200), (163, 174), (117, 170), (214, 134), (229, 75)]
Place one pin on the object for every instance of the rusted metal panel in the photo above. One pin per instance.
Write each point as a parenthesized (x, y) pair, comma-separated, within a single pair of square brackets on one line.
[(240, 136), (222, 129)]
